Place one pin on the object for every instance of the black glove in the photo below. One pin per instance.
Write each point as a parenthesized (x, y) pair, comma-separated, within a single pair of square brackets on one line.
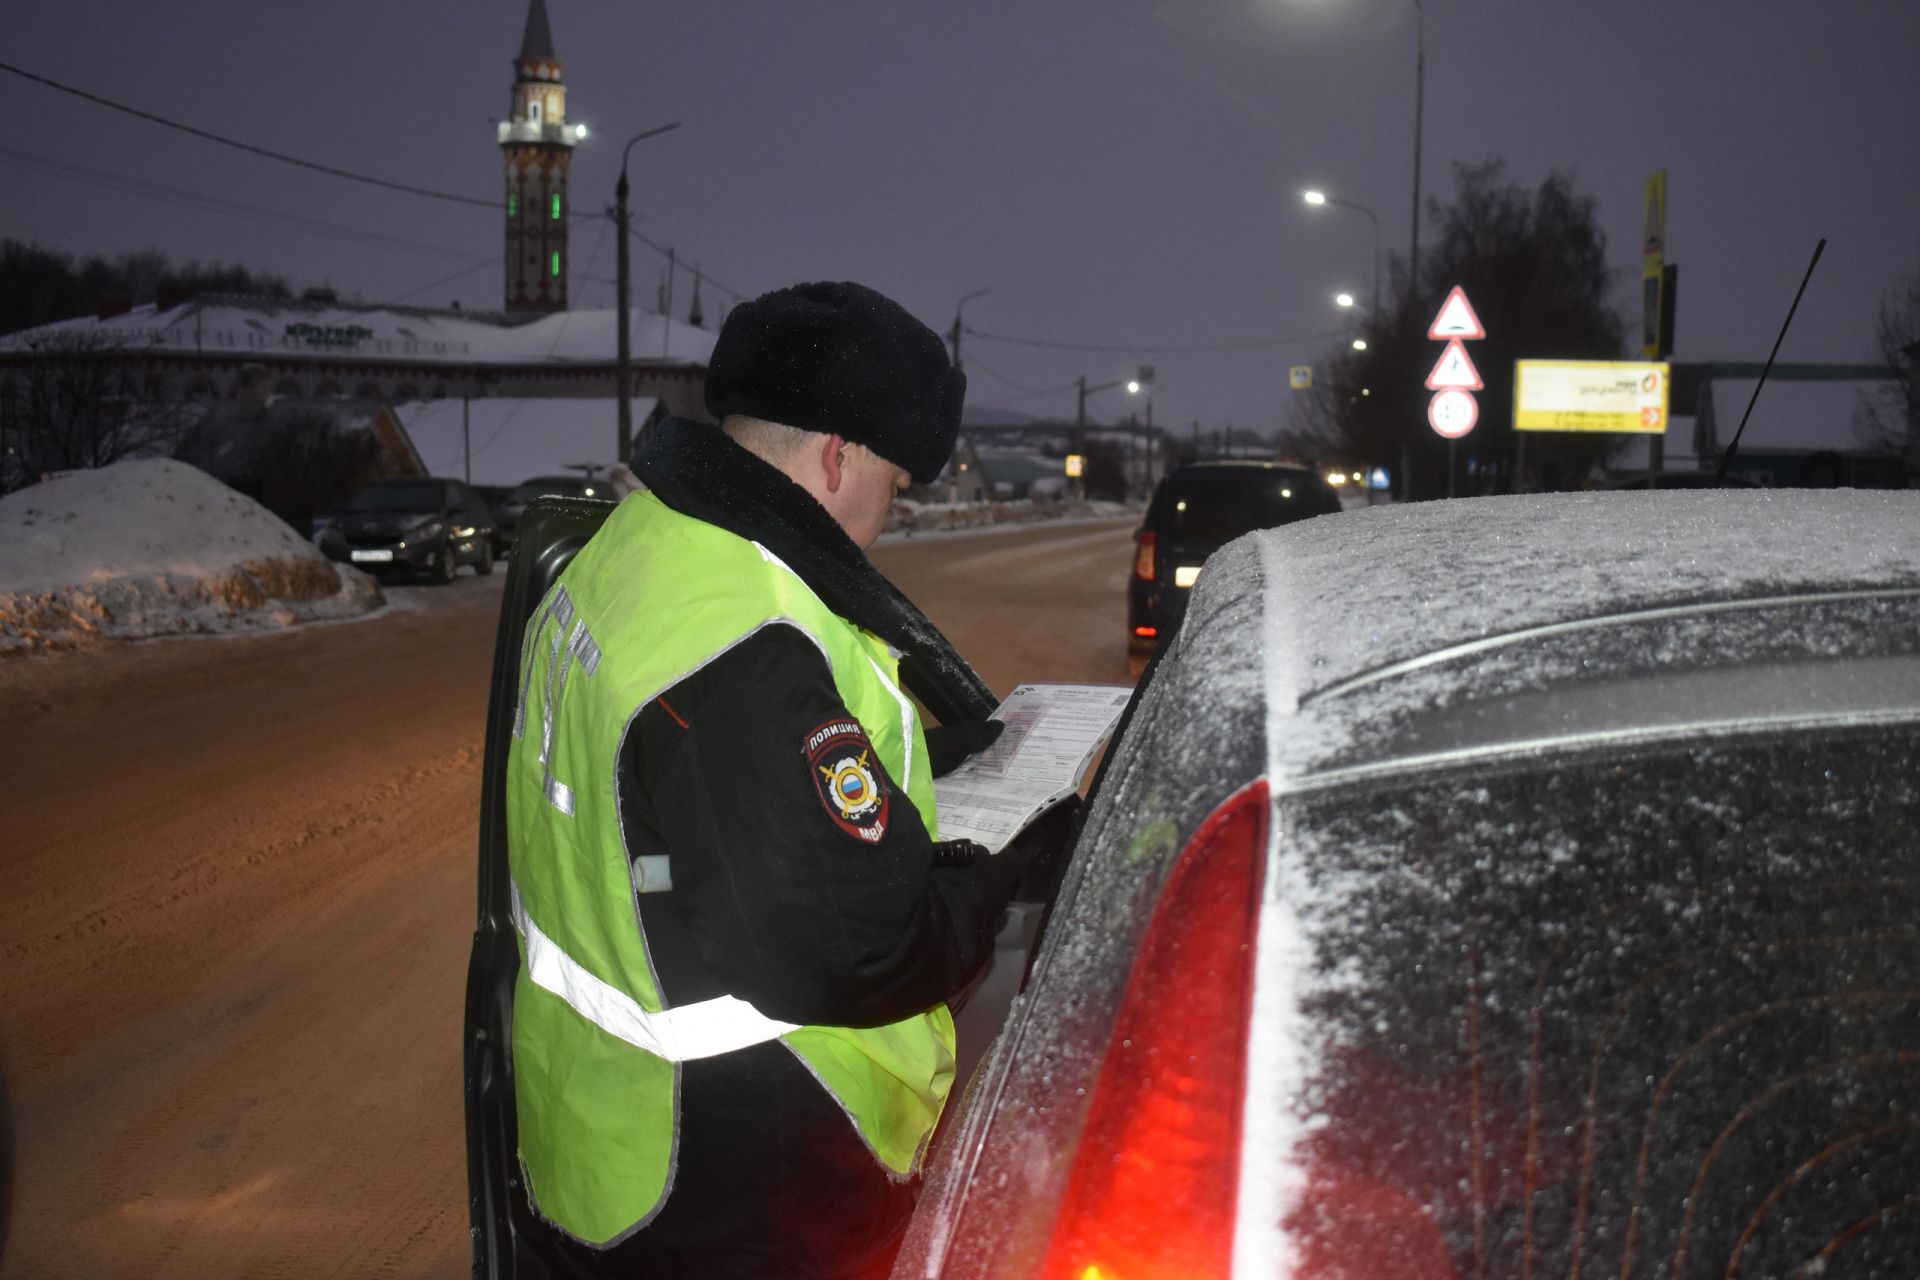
[(1044, 847), (949, 744)]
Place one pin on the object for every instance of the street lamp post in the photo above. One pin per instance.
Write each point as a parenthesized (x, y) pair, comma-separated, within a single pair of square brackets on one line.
[(1419, 93), (1132, 385), (977, 293), (1321, 197), (623, 368)]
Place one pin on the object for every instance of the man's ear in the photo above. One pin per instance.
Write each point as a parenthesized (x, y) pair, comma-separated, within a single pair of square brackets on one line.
[(833, 461)]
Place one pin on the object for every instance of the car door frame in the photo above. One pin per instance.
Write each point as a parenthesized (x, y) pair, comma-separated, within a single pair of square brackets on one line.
[(509, 1239)]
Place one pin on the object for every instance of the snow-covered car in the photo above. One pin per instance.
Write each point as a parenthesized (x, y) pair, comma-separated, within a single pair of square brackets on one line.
[(1500, 888), (1196, 510), (424, 525)]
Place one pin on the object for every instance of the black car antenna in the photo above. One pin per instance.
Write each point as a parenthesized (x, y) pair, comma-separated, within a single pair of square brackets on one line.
[(1720, 476)]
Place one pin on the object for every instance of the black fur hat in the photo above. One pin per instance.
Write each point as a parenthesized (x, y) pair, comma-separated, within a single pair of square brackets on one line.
[(839, 358)]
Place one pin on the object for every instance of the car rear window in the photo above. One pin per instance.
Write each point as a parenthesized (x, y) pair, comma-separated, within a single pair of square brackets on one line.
[(1218, 504), (1632, 1014)]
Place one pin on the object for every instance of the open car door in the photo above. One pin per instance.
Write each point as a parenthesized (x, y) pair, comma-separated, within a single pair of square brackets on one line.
[(508, 1241)]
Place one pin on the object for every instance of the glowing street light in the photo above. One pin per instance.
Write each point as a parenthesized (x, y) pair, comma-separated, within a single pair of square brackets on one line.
[(1314, 197), (1343, 299), (1359, 344)]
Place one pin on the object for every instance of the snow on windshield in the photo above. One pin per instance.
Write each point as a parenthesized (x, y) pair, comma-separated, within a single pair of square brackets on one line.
[(152, 548)]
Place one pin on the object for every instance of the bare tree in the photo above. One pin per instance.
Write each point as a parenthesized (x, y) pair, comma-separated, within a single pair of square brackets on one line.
[(78, 401), (1887, 419), (39, 286), (1534, 265)]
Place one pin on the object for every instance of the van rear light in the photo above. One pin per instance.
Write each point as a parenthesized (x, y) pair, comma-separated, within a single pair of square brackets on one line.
[(1143, 557), (1152, 1188)]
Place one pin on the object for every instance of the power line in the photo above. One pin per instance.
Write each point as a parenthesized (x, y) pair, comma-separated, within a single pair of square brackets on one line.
[(212, 204), (329, 170), (698, 274), (435, 284), (1144, 350), (1027, 393), (249, 147)]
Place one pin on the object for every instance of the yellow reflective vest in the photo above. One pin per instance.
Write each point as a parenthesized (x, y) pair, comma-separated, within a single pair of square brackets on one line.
[(651, 598)]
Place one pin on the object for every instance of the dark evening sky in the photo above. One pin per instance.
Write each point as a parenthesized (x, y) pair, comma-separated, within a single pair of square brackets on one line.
[(1124, 176)]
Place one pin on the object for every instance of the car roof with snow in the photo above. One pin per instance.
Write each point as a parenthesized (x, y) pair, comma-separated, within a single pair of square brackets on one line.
[(1369, 616)]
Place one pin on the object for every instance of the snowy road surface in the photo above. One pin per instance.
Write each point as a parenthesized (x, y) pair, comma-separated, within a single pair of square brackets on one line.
[(239, 897)]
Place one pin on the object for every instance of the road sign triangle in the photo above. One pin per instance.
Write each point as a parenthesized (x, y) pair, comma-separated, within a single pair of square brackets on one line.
[(1454, 371), (1456, 319)]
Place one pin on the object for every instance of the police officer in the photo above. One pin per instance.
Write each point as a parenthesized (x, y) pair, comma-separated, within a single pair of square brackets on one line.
[(739, 930)]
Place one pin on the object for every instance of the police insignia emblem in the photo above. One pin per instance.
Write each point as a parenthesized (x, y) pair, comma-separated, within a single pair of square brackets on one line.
[(847, 779)]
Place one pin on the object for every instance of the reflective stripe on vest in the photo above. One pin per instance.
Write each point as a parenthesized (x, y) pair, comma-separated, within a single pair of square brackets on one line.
[(699, 1030)]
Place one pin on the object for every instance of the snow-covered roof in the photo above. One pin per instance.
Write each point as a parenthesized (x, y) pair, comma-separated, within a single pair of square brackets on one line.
[(514, 439), (297, 328)]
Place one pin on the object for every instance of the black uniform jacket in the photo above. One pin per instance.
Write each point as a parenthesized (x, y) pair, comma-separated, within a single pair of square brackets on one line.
[(777, 898)]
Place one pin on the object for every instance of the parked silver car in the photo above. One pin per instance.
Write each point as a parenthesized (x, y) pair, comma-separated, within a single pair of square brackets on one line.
[(1514, 887)]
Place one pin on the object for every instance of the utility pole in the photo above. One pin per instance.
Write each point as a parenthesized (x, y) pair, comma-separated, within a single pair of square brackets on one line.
[(666, 311), (623, 368), (977, 293)]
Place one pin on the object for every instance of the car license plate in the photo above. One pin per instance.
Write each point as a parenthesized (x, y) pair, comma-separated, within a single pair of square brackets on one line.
[(1186, 575), (378, 556)]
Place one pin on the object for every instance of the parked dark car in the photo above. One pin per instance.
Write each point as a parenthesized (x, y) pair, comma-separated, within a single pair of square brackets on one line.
[(507, 512), (1196, 510), (1504, 887), (427, 526)]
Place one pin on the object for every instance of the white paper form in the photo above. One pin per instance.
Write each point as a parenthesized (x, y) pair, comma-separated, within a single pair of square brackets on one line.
[(1053, 733)]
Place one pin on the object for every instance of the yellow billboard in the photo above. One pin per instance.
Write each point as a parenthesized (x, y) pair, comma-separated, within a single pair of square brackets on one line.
[(1590, 395)]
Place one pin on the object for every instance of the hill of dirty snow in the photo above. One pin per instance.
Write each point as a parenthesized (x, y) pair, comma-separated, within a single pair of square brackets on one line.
[(155, 548)]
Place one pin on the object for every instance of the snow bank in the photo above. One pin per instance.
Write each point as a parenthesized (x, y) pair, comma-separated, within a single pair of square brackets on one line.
[(153, 548)]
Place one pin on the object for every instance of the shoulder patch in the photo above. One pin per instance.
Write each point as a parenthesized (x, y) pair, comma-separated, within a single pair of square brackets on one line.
[(846, 776)]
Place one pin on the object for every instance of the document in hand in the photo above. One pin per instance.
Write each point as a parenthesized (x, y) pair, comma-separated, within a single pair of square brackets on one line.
[(1053, 733)]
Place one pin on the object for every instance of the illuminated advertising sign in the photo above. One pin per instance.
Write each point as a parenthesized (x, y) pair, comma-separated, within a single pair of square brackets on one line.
[(1590, 395)]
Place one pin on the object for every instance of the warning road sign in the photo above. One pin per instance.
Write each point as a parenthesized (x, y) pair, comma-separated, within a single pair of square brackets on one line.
[(1454, 371), (1456, 318)]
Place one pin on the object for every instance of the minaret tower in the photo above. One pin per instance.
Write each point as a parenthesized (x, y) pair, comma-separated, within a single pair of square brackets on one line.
[(538, 143)]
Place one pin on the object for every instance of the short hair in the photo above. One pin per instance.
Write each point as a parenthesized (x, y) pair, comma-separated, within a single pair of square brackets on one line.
[(772, 442)]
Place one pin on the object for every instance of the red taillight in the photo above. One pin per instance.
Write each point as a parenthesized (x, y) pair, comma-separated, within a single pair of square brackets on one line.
[(1152, 1188), (1146, 631), (1143, 557)]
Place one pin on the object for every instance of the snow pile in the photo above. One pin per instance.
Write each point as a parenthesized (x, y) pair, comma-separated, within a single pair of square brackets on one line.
[(154, 548)]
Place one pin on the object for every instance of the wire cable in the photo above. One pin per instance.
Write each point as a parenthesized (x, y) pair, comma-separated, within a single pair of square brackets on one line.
[(1149, 349), (212, 204), (698, 274), (267, 152), (435, 284)]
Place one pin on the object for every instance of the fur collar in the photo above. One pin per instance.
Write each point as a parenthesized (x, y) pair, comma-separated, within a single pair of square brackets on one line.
[(699, 471)]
